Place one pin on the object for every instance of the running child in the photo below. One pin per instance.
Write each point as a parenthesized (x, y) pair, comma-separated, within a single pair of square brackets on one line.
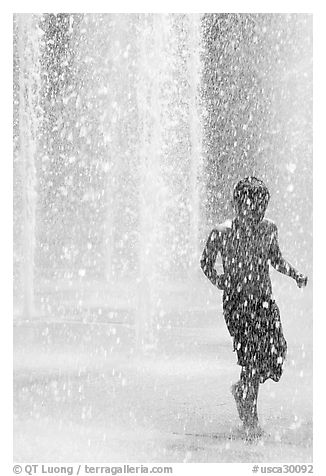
[(247, 245)]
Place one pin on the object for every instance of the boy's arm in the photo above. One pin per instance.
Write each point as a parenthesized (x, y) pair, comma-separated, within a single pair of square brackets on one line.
[(208, 258), (281, 264)]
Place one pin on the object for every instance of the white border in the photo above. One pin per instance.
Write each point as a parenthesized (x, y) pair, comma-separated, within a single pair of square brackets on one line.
[(125, 6), (319, 196)]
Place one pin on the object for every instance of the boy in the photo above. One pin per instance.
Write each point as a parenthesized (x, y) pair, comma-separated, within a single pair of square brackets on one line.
[(247, 245)]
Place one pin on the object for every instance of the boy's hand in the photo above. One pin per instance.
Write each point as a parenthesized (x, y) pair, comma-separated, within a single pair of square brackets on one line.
[(301, 280)]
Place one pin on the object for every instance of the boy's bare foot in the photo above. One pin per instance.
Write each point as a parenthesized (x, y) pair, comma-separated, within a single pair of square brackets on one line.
[(252, 430), (237, 395)]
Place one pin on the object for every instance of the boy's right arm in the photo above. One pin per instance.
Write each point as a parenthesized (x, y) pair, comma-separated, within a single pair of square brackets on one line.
[(208, 258)]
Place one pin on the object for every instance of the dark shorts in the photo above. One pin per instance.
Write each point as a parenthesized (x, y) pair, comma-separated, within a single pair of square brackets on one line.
[(255, 325)]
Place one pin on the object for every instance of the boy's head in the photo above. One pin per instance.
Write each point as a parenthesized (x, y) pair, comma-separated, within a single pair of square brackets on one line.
[(250, 199)]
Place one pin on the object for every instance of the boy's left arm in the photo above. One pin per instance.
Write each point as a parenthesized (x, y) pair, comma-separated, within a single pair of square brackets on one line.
[(281, 264), (208, 259)]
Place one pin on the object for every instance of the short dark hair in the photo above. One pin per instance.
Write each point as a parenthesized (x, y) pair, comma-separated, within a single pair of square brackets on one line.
[(252, 193)]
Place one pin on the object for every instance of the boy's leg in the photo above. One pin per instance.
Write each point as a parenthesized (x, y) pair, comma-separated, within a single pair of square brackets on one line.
[(255, 384), (241, 392), (250, 385), (237, 392)]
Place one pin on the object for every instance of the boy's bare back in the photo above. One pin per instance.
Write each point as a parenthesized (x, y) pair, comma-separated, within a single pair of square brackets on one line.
[(245, 253)]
